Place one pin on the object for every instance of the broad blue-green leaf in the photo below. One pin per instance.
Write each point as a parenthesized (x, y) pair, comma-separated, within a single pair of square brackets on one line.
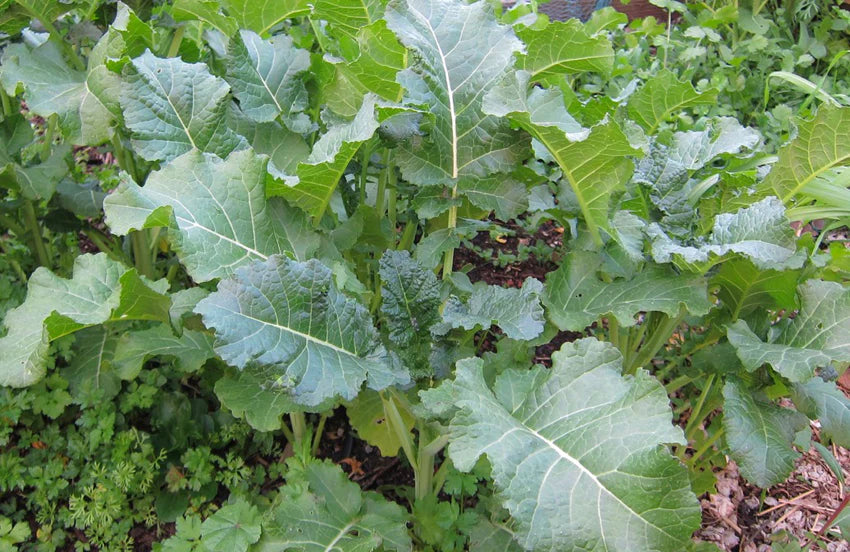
[(743, 288), (216, 211), (331, 513), (286, 149), (410, 297), (815, 337), (662, 96), (760, 232), (173, 107), (576, 296), (51, 87), (189, 350), (248, 394), (499, 193), (516, 311), (233, 528), (760, 434), (16, 14), (825, 402), (84, 199), (290, 317), (57, 306), (821, 144), (487, 536), (461, 51), (595, 162), (694, 149), (265, 76), (563, 47), (261, 16), (37, 182), (317, 177), (577, 452)]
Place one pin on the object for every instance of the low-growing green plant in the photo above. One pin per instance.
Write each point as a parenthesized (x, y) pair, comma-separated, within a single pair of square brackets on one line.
[(294, 183)]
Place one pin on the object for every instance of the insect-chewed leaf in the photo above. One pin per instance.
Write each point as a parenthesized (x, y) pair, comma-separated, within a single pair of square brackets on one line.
[(289, 317), (577, 451)]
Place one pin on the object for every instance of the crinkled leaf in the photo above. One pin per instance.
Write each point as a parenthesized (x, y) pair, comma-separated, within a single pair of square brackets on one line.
[(189, 350), (290, 317), (51, 87), (516, 311), (461, 52), (563, 47), (57, 306), (317, 177), (367, 415), (577, 452), (576, 296), (332, 513), (663, 95), (260, 17), (760, 434), (743, 288), (173, 107), (233, 528), (265, 76), (821, 144), (815, 337), (694, 149), (216, 211), (825, 402), (760, 232), (410, 297)]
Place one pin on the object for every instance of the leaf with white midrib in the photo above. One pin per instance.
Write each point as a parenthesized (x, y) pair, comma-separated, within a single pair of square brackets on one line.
[(548, 431)]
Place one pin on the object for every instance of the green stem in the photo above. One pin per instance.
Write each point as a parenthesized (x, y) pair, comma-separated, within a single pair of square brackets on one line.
[(408, 235), (382, 186), (104, 244), (317, 438), (400, 429), (705, 447), (448, 262), (141, 253), (614, 333), (37, 247), (424, 475), (392, 184), (364, 169), (56, 37), (288, 434), (12, 224), (299, 427), (677, 384), (176, 40), (7, 105), (49, 137), (16, 266), (696, 413), (656, 341)]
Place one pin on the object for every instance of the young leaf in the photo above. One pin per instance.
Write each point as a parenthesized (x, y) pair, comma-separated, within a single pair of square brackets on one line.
[(556, 440), (368, 416), (261, 17), (206, 11), (91, 366), (821, 144), (661, 96), (461, 52), (265, 76), (348, 16), (332, 513), (516, 311), (190, 350), (173, 107), (233, 528), (825, 402), (290, 317), (563, 47), (576, 296), (410, 297), (51, 87), (760, 435), (216, 211), (760, 232), (815, 337), (743, 288), (55, 307), (499, 193)]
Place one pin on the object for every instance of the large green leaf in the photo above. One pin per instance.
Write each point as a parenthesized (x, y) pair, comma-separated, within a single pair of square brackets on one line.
[(91, 365), (368, 415), (816, 336), (189, 350), (743, 288), (505, 196), (216, 211), (265, 76), (348, 16), (261, 16), (595, 163), (51, 87), (663, 95), (100, 290), (760, 434), (318, 176), (516, 311), (576, 296), (461, 51), (760, 232), (821, 145), (563, 47), (17, 14), (233, 528), (173, 107), (825, 402), (577, 452), (206, 11), (331, 513), (37, 182), (290, 317)]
